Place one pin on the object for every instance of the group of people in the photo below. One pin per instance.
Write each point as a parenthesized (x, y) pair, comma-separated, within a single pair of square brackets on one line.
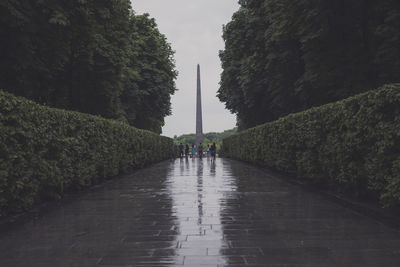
[(210, 150)]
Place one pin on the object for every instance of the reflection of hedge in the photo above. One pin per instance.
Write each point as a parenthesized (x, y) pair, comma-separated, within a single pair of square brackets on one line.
[(44, 151), (353, 143)]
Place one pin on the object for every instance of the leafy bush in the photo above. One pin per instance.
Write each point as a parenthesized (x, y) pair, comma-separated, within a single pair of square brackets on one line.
[(353, 144), (45, 151)]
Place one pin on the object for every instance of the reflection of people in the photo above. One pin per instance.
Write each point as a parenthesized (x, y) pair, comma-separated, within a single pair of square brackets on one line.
[(212, 169), (200, 151), (213, 150)]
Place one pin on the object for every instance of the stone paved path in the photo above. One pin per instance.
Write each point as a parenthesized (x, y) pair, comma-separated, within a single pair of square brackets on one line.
[(194, 213)]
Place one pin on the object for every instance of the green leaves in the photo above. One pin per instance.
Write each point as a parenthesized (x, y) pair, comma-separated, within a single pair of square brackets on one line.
[(285, 56), (59, 18), (353, 144), (92, 56), (148, 77), (45, 152)]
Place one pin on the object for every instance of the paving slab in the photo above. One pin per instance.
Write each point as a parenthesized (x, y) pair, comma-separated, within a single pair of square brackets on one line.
[(191, 212)]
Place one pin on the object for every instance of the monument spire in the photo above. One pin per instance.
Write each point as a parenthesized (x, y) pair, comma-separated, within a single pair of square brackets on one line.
[(199, 118)]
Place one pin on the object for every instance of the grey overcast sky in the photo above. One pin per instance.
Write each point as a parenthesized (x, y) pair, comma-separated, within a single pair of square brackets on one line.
[(194, 29)]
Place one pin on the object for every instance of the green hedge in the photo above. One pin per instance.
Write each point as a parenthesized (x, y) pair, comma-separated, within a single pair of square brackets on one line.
[(353, 144), (45, 151)]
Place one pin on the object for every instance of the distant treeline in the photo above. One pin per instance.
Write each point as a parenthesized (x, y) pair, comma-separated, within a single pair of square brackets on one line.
[(284, 56), (209, 138), (92, 56)]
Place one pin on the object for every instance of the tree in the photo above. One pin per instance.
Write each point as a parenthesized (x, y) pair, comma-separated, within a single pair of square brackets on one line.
[(284, 56), (93, 56), (149, 76)]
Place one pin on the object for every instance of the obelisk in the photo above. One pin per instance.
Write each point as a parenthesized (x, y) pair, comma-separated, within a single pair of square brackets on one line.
[(199, 118)]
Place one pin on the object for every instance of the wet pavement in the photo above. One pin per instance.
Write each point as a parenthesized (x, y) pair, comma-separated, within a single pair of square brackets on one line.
[(194, 213)]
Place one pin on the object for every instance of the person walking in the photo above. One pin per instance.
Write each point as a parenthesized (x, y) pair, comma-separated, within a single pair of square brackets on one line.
[(193, 151), (213, 150), (208, 151), (187, 151), (180, 150)]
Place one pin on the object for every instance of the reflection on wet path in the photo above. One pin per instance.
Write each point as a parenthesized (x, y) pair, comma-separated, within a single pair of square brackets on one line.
[(193, 213), (197, 191)]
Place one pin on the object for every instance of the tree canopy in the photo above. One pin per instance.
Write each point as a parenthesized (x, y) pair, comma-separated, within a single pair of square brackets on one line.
[(92, 56), (284, 56)]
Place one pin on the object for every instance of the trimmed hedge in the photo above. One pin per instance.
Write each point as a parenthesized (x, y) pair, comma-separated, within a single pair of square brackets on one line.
[(353, 144), (45, 151)]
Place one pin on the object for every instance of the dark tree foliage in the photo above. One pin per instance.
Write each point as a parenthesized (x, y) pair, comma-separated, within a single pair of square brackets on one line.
[(149, 76), (283, 56), (86, 55)]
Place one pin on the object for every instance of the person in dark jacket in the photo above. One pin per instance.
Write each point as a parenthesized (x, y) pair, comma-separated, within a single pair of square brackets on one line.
[(187, 150), (213, 151), (180, 150)]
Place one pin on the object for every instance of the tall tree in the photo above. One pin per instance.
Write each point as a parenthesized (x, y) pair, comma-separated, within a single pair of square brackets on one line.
[(284, 56), (89, 56), (149, 77)]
